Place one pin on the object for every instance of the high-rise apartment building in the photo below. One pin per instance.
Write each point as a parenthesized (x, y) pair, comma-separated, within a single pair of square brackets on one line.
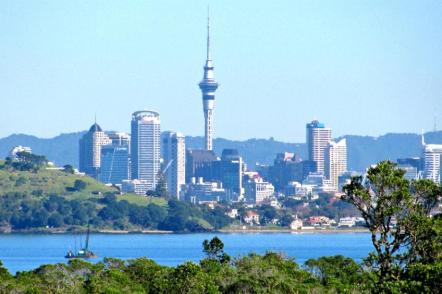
[(335, 159), (90, 150), (318, 137), (115, 166), (174, 162), (432, 161), (208, 86), (145, 147)]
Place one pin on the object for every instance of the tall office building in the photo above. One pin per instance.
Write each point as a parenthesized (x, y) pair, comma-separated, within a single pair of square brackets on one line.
[(90, 150), (432, 161), (174, 162), (208, 86), (115, 159), (231, 172), (145, 147), (335, 161), (318, 137), (201, 164)]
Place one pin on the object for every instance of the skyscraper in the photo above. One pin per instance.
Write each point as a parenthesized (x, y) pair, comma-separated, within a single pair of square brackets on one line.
[(231, 171), (432, 155), (318, 137), (335, 158), (115, 159), (145, 147), (174, 162), (208, 86), (90, 150)]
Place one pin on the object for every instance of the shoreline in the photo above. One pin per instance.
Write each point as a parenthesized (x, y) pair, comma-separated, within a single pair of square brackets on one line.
[(255, 230)]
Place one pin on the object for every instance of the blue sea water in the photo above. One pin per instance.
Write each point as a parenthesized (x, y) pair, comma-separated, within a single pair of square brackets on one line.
[(20, 252)]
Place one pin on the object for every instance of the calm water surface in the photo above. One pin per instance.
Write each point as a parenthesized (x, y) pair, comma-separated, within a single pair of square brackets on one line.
[(20, 252)]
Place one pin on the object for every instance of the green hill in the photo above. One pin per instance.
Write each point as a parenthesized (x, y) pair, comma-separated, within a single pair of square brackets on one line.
[(49, 199), (52, 181)]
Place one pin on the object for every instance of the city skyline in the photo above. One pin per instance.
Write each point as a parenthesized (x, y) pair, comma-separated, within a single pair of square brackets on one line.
[(326, 67)]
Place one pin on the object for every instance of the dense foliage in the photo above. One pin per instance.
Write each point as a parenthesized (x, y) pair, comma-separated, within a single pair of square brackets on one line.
[(23, 212), (406, 236), (26, 161), (269, 273), (403, 217)]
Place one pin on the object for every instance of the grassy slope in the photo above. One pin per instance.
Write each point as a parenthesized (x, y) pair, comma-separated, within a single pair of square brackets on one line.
[(56, 182)]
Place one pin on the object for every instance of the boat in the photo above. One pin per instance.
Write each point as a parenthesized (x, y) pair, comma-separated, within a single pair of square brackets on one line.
[(82, 253)]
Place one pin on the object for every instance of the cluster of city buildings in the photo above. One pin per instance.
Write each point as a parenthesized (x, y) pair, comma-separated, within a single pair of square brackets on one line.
[(136, 162), (428, 166)]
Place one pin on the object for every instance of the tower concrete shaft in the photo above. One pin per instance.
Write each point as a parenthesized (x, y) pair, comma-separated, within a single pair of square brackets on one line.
[(208, 86)]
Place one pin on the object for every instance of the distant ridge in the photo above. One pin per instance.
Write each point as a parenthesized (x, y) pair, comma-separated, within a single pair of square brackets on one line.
[(362, 150)]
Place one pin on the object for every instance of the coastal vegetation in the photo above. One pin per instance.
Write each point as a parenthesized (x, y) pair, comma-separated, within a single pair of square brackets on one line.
[(36, 197), (406, 232)]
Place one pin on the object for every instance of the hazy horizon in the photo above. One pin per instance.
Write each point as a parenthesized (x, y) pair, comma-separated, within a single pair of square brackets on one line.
[(363, 68), (230, 139)]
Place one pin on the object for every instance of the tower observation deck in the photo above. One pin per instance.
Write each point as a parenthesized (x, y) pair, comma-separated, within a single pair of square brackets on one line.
[(208, 86)]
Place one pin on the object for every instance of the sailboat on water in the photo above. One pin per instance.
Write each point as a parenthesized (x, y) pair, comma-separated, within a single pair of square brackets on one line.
[(84, 252)]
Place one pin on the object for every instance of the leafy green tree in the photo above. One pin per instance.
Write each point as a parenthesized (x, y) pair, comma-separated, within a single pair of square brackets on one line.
[(214, 249), (190, 278), (26, 161), (56, 220), (395, 212), (337, 271), (69, 169), (80, 185), (161, 187), (267, 214)]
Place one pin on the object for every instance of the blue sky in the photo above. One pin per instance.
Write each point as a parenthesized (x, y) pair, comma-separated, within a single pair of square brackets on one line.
[(361, 67)]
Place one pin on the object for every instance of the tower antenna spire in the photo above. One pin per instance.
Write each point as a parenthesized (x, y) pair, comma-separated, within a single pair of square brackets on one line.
[(208, 33), (208, 86)]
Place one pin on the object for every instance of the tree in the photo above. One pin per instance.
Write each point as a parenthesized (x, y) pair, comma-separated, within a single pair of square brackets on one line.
[(80, 185), (69, 169), (394, 210), (55, 220), (214, 249), (338, 271), (26, 161), (161, 187)]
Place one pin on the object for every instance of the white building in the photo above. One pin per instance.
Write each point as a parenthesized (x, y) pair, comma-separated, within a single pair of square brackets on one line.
[(318, 137), (256, 190), (145, 147), (199, 191), (335, 158), (18, 149), (347, 222), (174, 160), (90, 150), (432, 161), (296, 224), (298, 190), (251, 217), (233, 213), (139, 187)]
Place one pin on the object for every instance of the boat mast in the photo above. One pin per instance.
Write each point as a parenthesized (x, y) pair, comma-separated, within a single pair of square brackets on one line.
[(87, 238)]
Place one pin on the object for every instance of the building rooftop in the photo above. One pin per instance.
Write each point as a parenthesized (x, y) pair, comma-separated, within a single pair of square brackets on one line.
[(95, 128)]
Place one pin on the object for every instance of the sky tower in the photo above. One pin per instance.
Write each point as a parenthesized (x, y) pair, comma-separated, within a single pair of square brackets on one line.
[(208, 86)]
